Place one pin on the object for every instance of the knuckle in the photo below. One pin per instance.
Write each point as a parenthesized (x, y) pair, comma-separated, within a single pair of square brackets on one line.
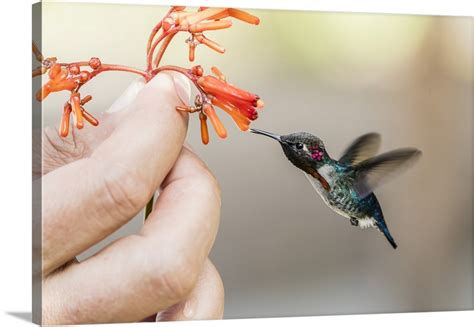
[(174, 276), (124, 190)]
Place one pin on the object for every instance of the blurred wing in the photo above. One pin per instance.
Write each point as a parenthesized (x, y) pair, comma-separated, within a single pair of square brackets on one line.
[(372, 172), (362, 148)]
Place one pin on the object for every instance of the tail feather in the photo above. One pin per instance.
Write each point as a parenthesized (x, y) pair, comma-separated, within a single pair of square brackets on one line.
[(381, 224), (389, 237)]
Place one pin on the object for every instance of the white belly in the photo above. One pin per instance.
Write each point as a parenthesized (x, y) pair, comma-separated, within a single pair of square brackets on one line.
[(327, 172)]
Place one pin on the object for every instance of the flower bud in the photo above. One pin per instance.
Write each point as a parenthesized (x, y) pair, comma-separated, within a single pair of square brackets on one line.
[(84, 76), (54, 71), (197, 70), (204, 129), (74, 69), (94, 63)]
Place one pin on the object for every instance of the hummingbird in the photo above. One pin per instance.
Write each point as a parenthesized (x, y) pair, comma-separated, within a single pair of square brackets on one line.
[(346, 185)]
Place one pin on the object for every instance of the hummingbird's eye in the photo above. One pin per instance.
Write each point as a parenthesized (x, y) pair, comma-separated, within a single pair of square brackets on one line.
[(299, 146)]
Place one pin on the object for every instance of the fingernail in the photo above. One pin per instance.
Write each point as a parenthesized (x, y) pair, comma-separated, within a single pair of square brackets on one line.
[(182, 87), (127, 96), (190, 306)]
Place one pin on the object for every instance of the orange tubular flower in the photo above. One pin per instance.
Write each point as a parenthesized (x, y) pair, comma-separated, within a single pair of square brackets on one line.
[(215, 91), (239, 104), (75, 106), (77, 110), (204, 129), (205, 19), (241, 121), (64, 128), (208, 110)]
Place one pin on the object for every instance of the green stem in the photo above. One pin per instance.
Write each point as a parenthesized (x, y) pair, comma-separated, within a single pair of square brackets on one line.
[(149, 206)]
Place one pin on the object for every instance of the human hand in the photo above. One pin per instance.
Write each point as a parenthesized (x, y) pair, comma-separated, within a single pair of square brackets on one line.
[(98, 179)]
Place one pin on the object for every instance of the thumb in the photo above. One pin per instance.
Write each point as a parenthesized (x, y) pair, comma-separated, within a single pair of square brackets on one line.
[(58, 151), (127, 97)]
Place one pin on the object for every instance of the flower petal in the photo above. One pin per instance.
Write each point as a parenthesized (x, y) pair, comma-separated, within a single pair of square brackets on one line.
[(248, 111), (43, 92), (211, 113), (91, 119), (209, 43), (216, 87), (205, 14), (204, 129), (54, 71), (192, 51), (218, 73), (243, 16), (86, 99), (68, 84), (76, 108), (64, 127), (209, 26), (241, 121)]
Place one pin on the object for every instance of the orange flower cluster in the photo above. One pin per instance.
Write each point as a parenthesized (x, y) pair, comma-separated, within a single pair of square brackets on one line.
[(205, 19), (68, 77), (62, 78), (241, 105), (208, 19), (214, 90), (75, 106)]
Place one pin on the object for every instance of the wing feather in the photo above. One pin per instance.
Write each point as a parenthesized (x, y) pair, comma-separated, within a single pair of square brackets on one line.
[(364, 147), (372, 172)]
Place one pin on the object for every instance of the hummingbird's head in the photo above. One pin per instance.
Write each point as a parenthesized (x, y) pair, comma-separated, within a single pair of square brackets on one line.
[(304, 150)]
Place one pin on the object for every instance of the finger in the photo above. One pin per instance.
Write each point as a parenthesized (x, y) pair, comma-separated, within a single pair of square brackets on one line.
[(57, 151), (143, 274), (205, 302), (90, 198), (189, 185)]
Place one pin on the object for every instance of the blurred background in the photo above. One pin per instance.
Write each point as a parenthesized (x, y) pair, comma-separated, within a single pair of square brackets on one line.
[(280, 250)]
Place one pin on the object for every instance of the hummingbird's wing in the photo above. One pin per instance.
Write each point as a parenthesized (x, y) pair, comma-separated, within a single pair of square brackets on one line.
[(372, 172), (363, 147)]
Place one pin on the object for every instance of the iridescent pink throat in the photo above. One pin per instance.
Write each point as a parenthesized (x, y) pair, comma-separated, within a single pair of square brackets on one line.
[(316, 153)]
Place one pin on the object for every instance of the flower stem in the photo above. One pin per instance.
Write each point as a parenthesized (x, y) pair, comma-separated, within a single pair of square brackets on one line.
[(108, 67), (105, 67), (149, 206), (37, 53), (162, 50), (149, 58), (152, 36)]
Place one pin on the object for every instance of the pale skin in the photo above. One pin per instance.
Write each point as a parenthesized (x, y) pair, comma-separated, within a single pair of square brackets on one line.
[(98, 179)]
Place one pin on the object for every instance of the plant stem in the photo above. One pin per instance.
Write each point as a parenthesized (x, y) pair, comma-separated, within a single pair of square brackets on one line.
[(108, 67), (149, 206), (37, 52), (155, 30), (105, 67), (162, 49), (181, 70), (152, 36), (149, 57)]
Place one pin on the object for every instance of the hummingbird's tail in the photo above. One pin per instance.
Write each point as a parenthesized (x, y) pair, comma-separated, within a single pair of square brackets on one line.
[(382, 225), (389, 237)]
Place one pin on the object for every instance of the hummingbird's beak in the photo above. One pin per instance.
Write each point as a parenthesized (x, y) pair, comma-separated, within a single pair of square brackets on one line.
[(270, 135)]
